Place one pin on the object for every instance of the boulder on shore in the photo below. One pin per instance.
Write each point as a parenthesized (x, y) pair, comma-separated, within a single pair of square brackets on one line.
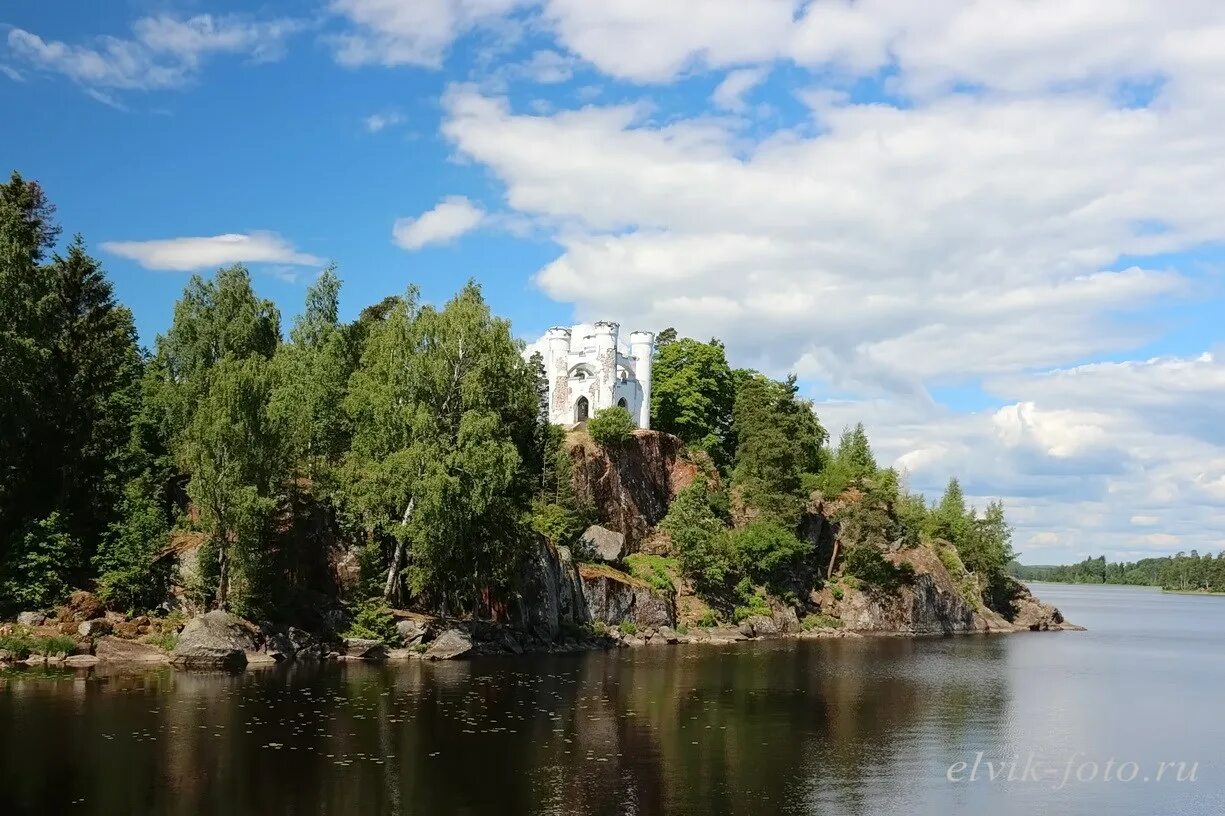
[(215, 640), (449, 645), (413, 631), (31, 619), (94, 628), (613, 597), (605, 544), (365, 649), (111, 649), (81, 606)]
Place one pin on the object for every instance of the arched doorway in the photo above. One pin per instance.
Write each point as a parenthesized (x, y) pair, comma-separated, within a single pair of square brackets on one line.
[(622, 403), (581, 410)]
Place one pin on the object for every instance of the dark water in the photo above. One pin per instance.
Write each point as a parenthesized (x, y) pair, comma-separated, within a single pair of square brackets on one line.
[(867, 726)]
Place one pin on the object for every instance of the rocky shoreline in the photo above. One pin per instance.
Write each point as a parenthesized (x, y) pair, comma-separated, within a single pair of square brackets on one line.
[(221, 641)]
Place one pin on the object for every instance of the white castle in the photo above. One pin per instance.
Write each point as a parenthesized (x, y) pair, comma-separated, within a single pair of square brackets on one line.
[(588, 371)]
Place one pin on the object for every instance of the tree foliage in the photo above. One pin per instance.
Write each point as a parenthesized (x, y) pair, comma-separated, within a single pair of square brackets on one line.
[(778, 440), (692, 395), (443, 410), (611, 427)]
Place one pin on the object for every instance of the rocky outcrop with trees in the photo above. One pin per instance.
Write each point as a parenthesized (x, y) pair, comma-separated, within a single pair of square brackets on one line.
[(390, 486)]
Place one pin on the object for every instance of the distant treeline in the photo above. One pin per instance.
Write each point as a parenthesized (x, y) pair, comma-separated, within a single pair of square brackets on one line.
[(1183, 572)]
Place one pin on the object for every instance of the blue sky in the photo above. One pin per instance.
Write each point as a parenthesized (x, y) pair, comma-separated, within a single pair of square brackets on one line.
[(991, 230)]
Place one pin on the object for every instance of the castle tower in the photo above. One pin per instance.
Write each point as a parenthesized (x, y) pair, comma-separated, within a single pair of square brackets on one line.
[(642, 349), (557, 369), (605, 332)]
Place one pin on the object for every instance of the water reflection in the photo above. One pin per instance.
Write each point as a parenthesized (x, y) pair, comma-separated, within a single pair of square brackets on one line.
[(864, 726), (785, 726)]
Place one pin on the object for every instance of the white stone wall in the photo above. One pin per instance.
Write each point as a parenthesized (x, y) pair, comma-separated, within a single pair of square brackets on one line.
[(586, 362)]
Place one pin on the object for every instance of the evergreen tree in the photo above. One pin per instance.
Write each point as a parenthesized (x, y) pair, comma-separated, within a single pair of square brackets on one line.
[(949, 518), (778, 440)]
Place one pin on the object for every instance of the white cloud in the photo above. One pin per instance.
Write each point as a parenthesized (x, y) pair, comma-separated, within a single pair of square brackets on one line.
[(651, 41), (1142, 479), (380, 121), (995, 222), (548, 67), (187, 254), (449, 219), (729, 94), (896, 248), (164, 52), (1014, 45), (392, 32)]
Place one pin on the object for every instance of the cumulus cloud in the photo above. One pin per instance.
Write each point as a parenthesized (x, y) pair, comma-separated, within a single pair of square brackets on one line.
[(449, 219), (188, 254), (1090, 459), (896, 248), (1008, 201), (163, 51), (391, 32)]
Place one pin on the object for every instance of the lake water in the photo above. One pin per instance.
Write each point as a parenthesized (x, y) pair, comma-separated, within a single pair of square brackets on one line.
[(849, 726)]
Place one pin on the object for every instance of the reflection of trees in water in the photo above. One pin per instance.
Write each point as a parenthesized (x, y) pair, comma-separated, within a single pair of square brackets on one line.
[(775, 727)]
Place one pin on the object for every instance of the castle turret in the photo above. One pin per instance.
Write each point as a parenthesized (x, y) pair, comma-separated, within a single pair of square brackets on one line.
[(557, 370), (605, 334), (642, 349)]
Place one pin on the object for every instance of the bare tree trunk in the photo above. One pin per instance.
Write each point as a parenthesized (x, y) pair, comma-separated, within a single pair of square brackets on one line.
[(829, 573), (391, 588), (223, 582)]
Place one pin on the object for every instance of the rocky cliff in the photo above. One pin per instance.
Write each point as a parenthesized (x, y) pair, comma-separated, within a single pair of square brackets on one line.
[(631, 486), (935, 603)]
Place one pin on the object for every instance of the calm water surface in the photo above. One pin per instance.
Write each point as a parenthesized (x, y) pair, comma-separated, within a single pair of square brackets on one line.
[(868, 726)]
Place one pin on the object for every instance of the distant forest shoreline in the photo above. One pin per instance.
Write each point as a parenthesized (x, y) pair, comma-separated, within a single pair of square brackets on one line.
[(1187, 573)]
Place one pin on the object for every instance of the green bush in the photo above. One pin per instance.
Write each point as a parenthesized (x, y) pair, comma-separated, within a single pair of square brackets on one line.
[(967, 585), (132, 575), (35, 569), (23, 643), (655, 570), (820, 621), (697, 538), (611, 427), (165, 640), (770, 555), (373, 621), (628, 627), (558, 524), (837, 592), (752, 601)]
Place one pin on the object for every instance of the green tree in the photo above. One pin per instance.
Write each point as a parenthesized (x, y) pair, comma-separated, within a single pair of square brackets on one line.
[(232, 449), (697, 538), (134, 572), (778, 440), (558, 512), (949, 519), (34, 574), (70, 365), (443, 407), (95, 370), (692, 395), (311, 375), (987, 546)]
